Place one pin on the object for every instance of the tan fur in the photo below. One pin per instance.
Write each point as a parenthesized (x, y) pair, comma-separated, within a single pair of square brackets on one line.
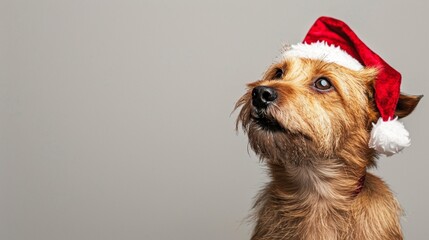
[(316, 161)]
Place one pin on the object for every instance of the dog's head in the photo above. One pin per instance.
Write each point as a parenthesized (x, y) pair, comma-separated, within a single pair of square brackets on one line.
[(310, 109)]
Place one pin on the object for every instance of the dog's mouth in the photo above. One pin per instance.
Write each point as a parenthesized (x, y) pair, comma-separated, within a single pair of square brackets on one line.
[(267, 123)]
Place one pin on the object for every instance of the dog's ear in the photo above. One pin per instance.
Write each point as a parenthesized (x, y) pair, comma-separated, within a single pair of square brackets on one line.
[(406, 104)]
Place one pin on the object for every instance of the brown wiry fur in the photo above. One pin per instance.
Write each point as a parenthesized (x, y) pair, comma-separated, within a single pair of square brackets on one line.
[(317, 158)]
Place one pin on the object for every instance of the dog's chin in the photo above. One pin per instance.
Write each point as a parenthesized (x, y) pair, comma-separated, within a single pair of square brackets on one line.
[(275, 143)]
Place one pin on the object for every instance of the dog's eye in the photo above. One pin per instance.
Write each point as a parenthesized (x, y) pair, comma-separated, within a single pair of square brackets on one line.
[(278, 73), (322, 84)]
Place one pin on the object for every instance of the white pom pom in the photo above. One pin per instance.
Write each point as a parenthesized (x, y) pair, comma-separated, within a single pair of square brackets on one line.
[(389, 137)]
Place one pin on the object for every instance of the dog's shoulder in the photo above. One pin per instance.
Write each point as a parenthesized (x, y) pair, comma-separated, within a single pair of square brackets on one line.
[(377, 205)]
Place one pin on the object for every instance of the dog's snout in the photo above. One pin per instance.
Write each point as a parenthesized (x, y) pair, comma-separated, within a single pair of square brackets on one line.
[(262, 96)]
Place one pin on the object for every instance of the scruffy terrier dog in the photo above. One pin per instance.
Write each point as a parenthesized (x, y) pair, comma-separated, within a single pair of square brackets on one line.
[(310, 120)]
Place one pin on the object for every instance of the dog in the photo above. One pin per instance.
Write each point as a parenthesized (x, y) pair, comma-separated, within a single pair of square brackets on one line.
[(310, 121)]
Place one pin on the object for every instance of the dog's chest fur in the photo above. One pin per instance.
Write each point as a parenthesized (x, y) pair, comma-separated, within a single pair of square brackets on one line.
[(317, 202), (302, 202)]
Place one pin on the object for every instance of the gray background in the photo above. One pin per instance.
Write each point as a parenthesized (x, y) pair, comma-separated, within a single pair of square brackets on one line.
[(115, 115)]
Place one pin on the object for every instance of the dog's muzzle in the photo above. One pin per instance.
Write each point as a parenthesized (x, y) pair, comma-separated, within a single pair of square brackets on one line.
[(263, 96)]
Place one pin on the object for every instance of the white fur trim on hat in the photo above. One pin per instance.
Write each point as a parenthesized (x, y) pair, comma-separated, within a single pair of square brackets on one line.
[(389, 137), (324, 52)]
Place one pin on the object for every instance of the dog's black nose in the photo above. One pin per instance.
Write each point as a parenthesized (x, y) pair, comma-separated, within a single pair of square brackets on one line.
[(262, 96)]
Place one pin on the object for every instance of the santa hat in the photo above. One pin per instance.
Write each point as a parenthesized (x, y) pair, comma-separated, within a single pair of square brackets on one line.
[(331, 40)]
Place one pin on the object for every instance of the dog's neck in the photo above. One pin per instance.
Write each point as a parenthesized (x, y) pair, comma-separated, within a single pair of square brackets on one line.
[(323, 179), (360, 185), (314, 193)]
